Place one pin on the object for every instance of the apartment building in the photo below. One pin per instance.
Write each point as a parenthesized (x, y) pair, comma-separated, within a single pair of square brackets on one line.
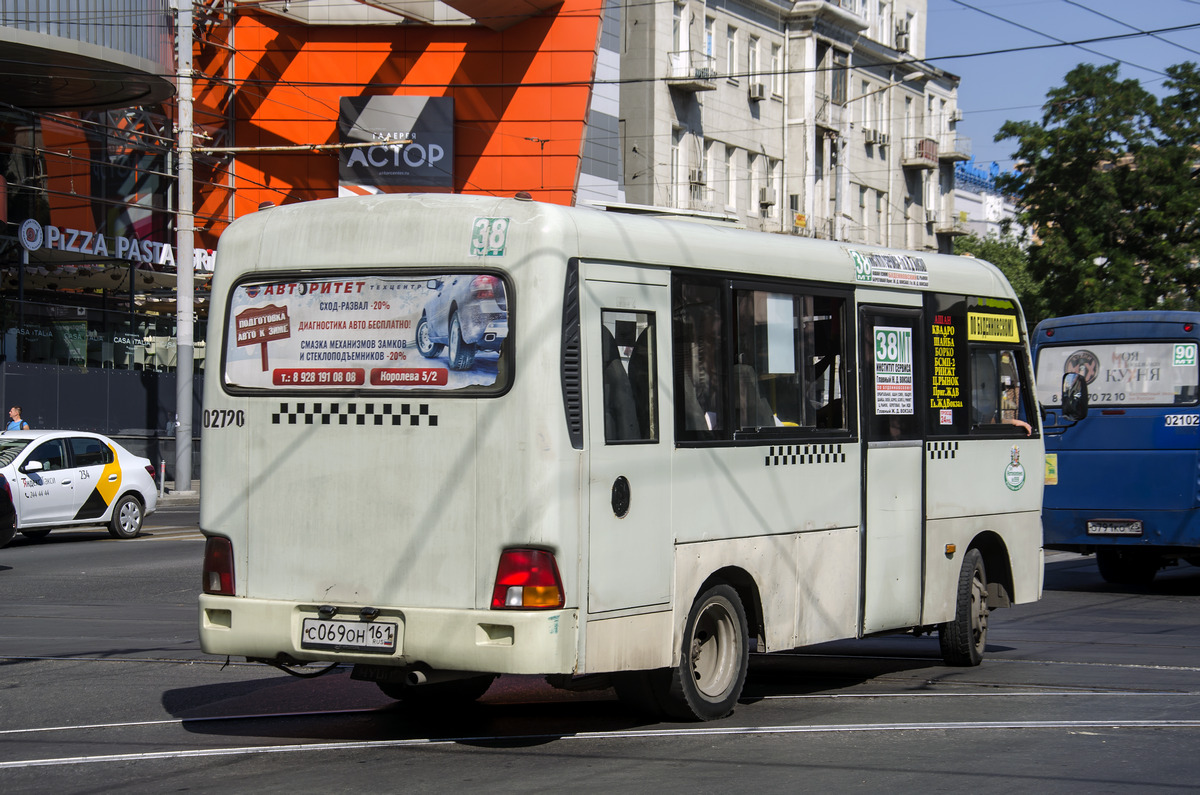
[(816, 118)]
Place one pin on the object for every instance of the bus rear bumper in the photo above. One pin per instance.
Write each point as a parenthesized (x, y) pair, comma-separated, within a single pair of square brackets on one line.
[(1067, 529), (491, 641)]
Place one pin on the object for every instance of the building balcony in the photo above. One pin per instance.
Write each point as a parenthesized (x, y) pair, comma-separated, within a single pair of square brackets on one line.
[(954, 147), (691, 70), (919, 152), (954, 224)]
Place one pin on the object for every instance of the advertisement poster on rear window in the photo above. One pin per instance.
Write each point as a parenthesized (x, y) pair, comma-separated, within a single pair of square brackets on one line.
[(363, 333), (1140, 373)]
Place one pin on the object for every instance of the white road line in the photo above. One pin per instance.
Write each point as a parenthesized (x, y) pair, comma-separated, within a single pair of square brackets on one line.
[(715, 731)]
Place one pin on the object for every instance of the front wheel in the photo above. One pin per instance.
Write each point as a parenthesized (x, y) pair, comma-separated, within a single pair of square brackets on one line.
[(425, 344), (126, 519), (7, 534), (965, 637), (1127, 565), (462, 353)]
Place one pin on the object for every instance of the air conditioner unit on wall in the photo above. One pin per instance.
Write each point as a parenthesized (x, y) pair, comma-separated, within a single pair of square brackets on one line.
[(758, 91), (870, 136), (956, 115), (766, 197), (881, 138), (696, 176), (902, 42), (931, 216)]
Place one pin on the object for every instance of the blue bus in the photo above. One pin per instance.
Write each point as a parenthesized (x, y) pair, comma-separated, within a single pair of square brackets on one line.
[(1123, 469)]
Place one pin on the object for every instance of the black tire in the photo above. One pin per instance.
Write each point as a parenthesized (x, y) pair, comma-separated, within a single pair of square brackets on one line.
[(7, 534), (1127, 565), (425, 344), (127, 516), (713, 660), (462, 353), (964, 639), (36, 535), (456, 691)]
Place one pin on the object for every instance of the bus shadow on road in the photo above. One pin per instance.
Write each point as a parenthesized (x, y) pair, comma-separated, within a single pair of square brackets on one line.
[(1079, 573)]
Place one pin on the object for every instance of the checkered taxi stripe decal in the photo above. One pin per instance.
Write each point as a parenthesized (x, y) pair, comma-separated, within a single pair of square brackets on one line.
[(354, 414), (789, 454), (940, 450)]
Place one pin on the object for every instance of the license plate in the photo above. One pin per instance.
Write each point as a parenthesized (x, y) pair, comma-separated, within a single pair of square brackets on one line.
[(378, 637), (1114, 528)]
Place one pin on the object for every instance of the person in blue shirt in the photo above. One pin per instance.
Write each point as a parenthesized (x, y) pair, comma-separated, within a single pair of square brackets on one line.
[(15, 421)]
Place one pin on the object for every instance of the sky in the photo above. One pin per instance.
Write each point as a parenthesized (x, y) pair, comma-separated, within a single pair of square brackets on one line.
[(1013, 85)]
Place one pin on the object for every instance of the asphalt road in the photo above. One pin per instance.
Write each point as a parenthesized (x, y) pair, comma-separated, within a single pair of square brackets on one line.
[(103, 687)]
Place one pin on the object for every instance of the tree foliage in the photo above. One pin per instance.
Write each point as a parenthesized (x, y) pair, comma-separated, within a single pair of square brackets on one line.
[(1008, 255), (1108, 183)]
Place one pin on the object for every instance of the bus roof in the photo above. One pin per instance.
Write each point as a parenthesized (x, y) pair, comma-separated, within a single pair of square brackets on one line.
[(373, 231), (1115, 318)]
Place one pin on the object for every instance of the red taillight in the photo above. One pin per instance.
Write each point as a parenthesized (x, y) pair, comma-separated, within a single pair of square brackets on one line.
[(218, 566), (1187, 326), (150, 470), (484, 286), (527, 579)]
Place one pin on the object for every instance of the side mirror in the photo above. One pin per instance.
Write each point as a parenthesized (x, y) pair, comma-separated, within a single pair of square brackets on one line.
[(33, 466), (1074, 396)]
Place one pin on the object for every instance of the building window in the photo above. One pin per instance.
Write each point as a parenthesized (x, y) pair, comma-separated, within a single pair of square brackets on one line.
[(730, 184), (776, 70), (731, 52), (752, 59), (710, 36), (838, 77)]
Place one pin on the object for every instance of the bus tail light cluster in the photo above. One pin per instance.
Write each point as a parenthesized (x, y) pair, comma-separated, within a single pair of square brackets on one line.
[(218, 566), (527, 579)]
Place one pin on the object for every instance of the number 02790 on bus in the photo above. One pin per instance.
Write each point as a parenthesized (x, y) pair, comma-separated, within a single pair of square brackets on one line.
[(464, 436)]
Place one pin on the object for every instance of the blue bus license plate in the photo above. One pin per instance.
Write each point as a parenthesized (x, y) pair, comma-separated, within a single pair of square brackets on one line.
[(1114, 528), (378, 637)]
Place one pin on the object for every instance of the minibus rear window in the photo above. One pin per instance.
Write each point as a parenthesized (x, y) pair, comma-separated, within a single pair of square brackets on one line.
[(440, 332)]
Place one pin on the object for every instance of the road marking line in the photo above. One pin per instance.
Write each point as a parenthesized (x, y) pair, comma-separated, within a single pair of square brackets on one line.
[(715, 731)]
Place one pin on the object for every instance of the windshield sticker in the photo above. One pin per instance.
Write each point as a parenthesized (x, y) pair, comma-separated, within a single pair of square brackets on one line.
[(440, 332), (992, 328)]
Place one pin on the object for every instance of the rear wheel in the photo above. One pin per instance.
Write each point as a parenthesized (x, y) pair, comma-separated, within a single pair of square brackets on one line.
[(456, 691), (1127, 565), (7, 534), (964, 638), (126, 521), (462, 353), (36, 535), (713, 659)]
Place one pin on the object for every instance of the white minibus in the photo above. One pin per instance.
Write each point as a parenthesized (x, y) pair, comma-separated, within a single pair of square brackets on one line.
[(452, 437)]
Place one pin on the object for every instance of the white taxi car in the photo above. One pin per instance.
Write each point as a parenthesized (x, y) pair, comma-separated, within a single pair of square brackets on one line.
[(73, 478)]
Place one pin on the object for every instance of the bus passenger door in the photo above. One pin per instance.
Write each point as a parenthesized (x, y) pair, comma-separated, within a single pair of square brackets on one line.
[(894, 527), (626, 323)]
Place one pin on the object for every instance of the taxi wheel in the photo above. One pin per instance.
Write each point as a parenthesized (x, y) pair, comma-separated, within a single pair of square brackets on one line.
[(7, 534), (126, 519)]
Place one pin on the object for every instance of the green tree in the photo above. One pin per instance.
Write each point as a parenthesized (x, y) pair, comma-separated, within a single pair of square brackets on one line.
[(1007, 255), (1107, 181)]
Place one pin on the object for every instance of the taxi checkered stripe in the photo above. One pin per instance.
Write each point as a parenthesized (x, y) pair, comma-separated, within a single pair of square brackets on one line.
[(789, 454), (353, 414), (940, 450)]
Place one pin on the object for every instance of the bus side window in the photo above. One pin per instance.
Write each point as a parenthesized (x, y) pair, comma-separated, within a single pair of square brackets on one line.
[(627, 342), (996, 394), (699, 365)]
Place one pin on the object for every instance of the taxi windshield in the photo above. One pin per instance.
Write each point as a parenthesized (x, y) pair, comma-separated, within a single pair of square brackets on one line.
[(9, 449)]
